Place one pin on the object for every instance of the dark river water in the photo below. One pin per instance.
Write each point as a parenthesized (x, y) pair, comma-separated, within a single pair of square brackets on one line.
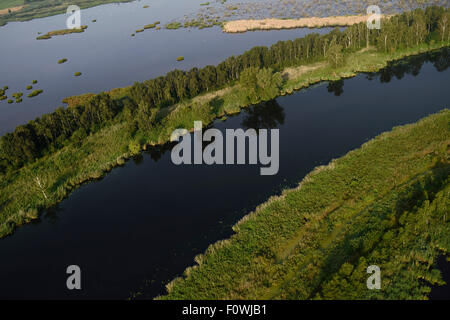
[(142, 224)]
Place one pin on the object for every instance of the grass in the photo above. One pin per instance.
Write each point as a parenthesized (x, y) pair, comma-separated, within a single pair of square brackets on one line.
[(35, 93), (174, 25), (51, 34), (384, 204), (152, 25), (4, 4), (91, 158)]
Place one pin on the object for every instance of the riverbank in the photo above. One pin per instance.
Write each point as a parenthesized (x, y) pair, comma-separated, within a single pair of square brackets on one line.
[(50, 179), (238, 26), (383, 204)]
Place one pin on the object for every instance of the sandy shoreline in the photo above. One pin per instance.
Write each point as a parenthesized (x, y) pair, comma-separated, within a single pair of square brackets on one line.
[(274, 24)]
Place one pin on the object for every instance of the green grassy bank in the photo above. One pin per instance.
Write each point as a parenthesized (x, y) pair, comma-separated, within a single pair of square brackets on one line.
[(385, 204), (47, 181)]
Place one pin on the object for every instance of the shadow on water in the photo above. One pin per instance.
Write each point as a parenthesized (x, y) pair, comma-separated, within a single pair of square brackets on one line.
[(398, 69), (442, 292)]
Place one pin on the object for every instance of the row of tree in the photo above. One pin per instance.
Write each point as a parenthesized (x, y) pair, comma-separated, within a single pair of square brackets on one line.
[(50, 132)]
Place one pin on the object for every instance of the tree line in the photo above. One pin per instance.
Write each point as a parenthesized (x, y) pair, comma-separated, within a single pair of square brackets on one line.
[(66, 125)]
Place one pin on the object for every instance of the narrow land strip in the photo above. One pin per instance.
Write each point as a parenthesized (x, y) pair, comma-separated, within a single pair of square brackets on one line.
[(277, 24), (9, 10)]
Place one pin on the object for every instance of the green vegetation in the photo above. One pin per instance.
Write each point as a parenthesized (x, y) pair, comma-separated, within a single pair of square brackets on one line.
[(34, 81), (202, 24), (4, 4), (77, 74), (180, 58), (134, 147), (3, 97), (313, 49), (51, 34), (5, 88), (260, 84), (29, 87), (35, 93), (334, 55), (384, 204), (152, 25), (173, 25), (17, 95), (82, 142), (10, 101), (60, 61), (43, 8)]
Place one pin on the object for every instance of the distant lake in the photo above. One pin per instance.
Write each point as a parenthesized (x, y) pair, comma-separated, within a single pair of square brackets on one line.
[(142, 225), (106, 54)]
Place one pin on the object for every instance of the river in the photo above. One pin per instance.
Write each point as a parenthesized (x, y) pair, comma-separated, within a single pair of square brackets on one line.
[(142, 225)]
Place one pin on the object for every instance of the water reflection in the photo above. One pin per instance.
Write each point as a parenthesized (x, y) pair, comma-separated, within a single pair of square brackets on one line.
[(336, 87), (270, 115), (266, 115), (440, 59), (413, 65)]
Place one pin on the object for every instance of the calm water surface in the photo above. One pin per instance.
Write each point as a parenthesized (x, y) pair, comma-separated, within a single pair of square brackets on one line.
[(107, 55), (142, 225)]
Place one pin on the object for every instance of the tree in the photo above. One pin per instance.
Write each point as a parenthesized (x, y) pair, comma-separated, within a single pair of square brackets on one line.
[(419, 26), (260, 84), (268, 83), (146, 116), (443, 26), (334, 55)]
